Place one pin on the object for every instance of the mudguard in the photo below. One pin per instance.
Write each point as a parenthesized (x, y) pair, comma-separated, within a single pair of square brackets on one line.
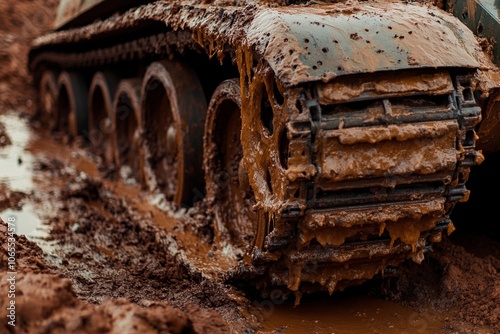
[(321, 43), (316, 43)]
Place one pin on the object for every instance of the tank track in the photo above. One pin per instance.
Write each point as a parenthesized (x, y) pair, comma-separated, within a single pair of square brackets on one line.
[(157, 46), (285, 260), (290, 255)]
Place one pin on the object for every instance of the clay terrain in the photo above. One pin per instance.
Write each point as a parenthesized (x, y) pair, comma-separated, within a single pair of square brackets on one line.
[(83, 251)]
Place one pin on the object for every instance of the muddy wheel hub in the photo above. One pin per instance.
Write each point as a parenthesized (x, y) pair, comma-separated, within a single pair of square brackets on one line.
[(228, 187)]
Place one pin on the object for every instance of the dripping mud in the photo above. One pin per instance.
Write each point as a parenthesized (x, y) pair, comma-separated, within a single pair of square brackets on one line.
[(97, 254)]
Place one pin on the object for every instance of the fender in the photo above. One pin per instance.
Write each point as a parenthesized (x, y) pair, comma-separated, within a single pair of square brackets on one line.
[(324, 42), (306, 43)]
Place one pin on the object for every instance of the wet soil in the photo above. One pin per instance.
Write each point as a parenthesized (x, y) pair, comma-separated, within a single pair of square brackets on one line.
[(103, 255), (94, 254), (19, 24)]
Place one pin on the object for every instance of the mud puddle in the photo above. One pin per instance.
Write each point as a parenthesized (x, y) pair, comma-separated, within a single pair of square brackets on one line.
[(16, 163), (17, 176), (349, 314)]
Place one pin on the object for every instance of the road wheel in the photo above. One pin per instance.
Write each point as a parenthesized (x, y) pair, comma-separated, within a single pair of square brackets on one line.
[(173, 116), (128, 135), (71, 106), (101, 125), (229, 194), (47, 89)]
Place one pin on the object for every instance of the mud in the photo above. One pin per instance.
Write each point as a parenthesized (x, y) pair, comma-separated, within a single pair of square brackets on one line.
[(10, 199), (29, 255), (16, 89), (4, 138), (106, 261), (453, 279), (48, 304), (352, 313), (94, 254), (116, 264)]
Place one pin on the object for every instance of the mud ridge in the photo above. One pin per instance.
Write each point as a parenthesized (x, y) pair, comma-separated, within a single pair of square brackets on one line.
[(454, 282), (118, 236)]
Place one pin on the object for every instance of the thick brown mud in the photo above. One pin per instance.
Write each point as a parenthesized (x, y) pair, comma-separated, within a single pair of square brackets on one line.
[(95, 253), (106, 249)]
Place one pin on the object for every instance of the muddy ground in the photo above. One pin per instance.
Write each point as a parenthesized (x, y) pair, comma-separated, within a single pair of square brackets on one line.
[(94, 254)]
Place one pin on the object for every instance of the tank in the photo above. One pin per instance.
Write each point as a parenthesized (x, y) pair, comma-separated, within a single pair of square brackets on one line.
[(330, 141)]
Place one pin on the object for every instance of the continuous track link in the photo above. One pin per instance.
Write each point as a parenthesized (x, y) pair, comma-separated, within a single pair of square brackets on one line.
[(158, 46), (390, 171)]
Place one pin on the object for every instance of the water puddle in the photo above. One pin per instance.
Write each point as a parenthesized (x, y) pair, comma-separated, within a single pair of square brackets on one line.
[(16, 174), (27, 222), (15, 162)]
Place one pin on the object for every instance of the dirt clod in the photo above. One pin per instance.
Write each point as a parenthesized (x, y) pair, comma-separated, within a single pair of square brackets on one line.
[(28, 254), (48, 304)]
